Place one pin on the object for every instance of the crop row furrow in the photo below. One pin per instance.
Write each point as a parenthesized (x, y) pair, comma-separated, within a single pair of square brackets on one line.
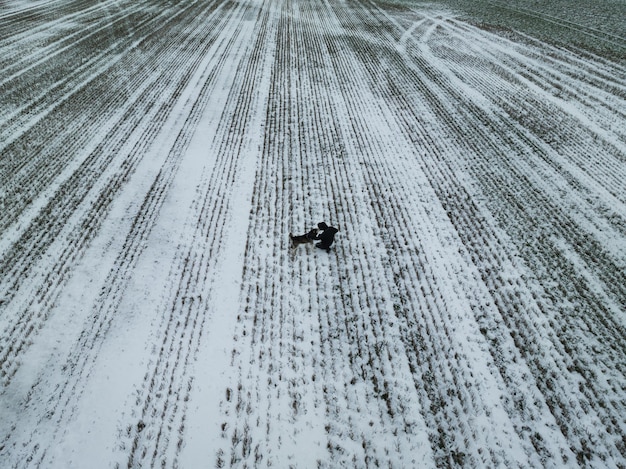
[(531, 76), (553, 124), (526, 142), (378, 360), (84, 202), (31, 95), (90, 31), (557, 128), (571, 173), (26, 17), (435, 330), (146, 93), (92, 338), (526, 168), (553, 63), (361, 344), (437, 90), (547, 385), (42, 138), (606, 36), (262, 319), (297, 134), (409, 124), (550, 258), (184, 319)]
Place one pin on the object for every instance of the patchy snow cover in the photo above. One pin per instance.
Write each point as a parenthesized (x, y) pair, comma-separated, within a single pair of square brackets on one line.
[(154, 157)]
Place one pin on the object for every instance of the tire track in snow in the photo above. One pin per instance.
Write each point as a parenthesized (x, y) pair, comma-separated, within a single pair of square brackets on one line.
[(571, 185), (469, 314), (562, 410), (549, 118), (582, 81)]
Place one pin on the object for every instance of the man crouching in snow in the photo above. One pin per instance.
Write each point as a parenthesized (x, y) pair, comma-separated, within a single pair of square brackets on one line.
[(326, 237)]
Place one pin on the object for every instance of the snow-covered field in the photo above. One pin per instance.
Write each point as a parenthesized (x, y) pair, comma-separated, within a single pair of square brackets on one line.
[(154, 156)]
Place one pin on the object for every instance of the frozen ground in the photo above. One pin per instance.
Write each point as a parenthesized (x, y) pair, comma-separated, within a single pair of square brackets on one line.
[(154, 156)]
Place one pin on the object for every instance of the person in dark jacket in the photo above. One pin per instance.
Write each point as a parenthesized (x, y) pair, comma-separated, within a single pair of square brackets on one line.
[(326, 236)]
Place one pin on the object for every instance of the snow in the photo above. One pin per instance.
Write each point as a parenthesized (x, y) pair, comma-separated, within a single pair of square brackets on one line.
[(155, 156)]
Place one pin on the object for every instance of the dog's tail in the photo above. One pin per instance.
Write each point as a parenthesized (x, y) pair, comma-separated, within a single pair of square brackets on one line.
[(291, 240)]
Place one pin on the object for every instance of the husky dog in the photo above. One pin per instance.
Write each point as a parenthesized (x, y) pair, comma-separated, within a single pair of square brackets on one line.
[(303, 239)]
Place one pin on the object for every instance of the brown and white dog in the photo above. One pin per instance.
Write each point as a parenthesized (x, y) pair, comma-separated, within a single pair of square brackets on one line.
[(303, 239)]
